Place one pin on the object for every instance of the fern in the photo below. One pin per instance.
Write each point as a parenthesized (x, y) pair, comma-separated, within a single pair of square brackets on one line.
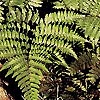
[(16, 47), (85, 6), (84, 75), (62, 16), (27, 56), (31, 43)]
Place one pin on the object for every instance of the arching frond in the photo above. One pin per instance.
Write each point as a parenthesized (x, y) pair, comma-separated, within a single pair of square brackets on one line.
[(91, 27), (62, 16), (85, 6)]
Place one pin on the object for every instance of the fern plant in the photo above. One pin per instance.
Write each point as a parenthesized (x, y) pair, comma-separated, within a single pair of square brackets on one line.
[(89, 12), (30, 43), (28, 49)]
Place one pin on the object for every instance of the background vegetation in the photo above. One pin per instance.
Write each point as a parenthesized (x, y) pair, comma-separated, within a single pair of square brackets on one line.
[(51, 48)]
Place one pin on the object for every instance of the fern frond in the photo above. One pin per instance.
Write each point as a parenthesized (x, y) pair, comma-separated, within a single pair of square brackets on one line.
[(62, 16), (54, 36), (11, 62), (18, 18), (92, 29), (89, 62), (94, 73), (61, 32), (32, 74), (10, 43), (35, 3), (68, 4), (15, 48), (85, 6)]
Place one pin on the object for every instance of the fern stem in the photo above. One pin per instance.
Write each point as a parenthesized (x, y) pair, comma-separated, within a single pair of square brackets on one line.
[(57, 91)]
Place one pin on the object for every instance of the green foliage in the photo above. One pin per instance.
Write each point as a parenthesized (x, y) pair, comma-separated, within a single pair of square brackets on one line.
[(31, 42)]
